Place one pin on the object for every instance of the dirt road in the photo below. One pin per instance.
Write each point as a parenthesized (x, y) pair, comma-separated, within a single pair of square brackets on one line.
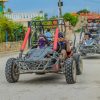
[(53, 86)]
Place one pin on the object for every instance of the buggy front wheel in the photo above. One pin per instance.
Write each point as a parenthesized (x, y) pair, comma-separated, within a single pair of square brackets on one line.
[(70, 71), (12, 71)]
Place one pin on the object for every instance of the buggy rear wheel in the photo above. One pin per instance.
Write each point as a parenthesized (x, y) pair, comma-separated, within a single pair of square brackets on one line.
[(70, 71), (11, 71)]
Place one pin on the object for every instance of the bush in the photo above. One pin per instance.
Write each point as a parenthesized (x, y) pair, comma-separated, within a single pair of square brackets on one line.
[(10, 27), (72, 19), (46, 22), (83, 11), (78, 30)]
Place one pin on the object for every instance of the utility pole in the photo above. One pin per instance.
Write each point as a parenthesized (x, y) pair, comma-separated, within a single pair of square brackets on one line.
[(60, 4)]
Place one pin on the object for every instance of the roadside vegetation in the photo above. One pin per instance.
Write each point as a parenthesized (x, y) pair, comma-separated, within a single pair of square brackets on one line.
[(10, 30), (85, 11), (73, 20)]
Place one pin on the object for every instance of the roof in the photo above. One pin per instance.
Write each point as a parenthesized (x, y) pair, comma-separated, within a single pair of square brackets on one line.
[(91, 15)]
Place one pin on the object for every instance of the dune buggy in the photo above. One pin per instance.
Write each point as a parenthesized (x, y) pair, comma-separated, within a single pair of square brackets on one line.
[(37, 60), (92, 45)]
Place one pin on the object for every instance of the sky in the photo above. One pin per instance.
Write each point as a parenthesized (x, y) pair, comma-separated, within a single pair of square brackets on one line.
[(50, 6)]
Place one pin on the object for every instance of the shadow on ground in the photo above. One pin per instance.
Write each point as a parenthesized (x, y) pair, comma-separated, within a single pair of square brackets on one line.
[(45, 79), (91, 57)]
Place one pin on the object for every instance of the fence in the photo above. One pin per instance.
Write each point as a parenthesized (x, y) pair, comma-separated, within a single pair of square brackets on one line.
[(10, 46)]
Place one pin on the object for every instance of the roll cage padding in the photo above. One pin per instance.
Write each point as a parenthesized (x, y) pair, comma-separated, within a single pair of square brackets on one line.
[(26, 39), (56, 39)]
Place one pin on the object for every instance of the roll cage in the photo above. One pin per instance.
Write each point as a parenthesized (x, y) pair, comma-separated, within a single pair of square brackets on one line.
[(39, 26)]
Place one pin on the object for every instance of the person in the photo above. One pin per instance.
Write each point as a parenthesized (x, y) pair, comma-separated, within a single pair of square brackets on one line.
[(48, 35), (95, 26), (87, 37), (90, 26), (66, 50), (61, 41), (42, 41)]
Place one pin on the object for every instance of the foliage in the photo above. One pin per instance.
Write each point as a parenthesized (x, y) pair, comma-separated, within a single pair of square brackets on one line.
[(38, 18), (40, 11), (78, 30), (46, 15), (10, 27), (45, 22), (53, 17), (9, 10), (83, 11), (72, 19)]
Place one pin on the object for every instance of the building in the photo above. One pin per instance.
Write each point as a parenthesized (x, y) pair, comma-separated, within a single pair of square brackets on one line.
[(23, 18)]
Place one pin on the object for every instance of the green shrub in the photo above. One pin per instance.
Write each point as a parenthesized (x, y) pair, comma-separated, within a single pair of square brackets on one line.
[(10, 27), (72, 19), (78, 30), (83, 11)]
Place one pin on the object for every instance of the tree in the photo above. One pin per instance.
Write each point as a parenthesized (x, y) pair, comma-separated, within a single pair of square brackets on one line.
[(83, 11), (53, 17), (46, 16), (41, 11), (38, 18), (72, 19), (10, 27), (9, 10)]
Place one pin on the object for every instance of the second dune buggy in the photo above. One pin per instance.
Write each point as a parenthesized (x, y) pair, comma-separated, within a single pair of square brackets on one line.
[(89, 43)]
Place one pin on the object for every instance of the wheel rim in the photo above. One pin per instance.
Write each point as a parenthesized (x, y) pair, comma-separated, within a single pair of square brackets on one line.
[(74, 70), (15, 72)]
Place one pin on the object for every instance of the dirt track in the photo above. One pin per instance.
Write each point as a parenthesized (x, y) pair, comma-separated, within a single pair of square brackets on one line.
[(52, 86)]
